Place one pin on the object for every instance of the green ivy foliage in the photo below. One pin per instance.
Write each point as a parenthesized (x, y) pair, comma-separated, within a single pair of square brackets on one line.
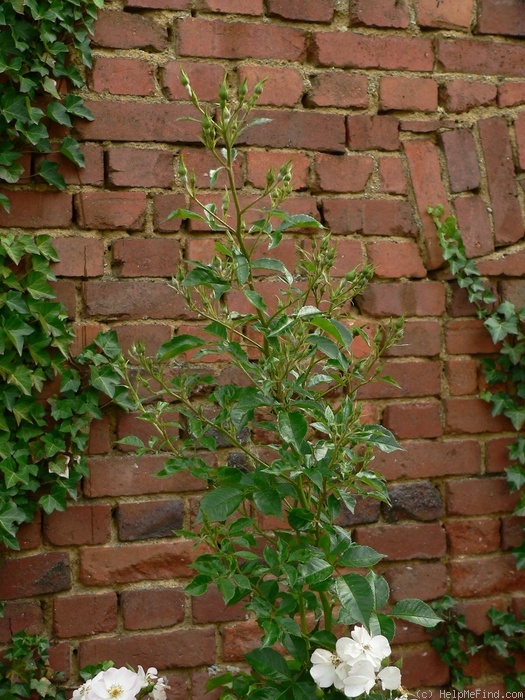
[(504, 373), (40, 42), (43, 432)]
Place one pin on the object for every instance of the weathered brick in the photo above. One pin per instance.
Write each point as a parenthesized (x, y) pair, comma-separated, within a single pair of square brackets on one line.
[(366, 510), (210, 607), (383, 13), (134, 31), (472, 415), (481, 57), (511, 532), (239, 638), (79, 257), (130, 299), (241, 7), (511, 94), (283, 89), (520, 138), (501, 17), (258, 163), (99, 436), (133, 424), (486, 495), (409, 94), (467, 337), (122, 76), (183, 648), (152, 336), (426, 298), (372, 132), (66, 293), (462, 376), (431, 459), (21, 615), (302, 10), (348, 173), (79, 525), (397, 542), (421, 666), (150, 519), (38, 574), (134, 476), (481, 576), (91, 174), (205, 78), (375, 217), (80, 615), (447, 14), (415, 378), (462, 159), (475, 226), (163, 205), (38, 210), (417, 500), (140, 167), (350, 255), (464, 95), (413, 420), (508, 222), (218, 39), (428, 187), (159, 4), (509, 263), (426, 581), (420, 339), (149, 608), (353, 50), (338, 88), (146, 257), (392, 175), (199, 162), (395, 259), (473, 536), (513, 291), (111, 210)]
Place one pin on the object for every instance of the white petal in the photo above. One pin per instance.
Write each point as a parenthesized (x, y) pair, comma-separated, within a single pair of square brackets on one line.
[(361, 679), (390, 677), (321, 656), (380, 647), (323, 675)]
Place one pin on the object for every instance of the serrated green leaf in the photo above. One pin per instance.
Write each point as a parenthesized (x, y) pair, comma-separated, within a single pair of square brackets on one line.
[(219, 504), (416, 611), (269, 663), (177, 345)]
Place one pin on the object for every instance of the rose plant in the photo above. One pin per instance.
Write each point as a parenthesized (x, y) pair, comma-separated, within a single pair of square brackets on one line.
[(283, 447)]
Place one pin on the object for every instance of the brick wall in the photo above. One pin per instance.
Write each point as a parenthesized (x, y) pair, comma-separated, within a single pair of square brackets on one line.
[(385, 107)]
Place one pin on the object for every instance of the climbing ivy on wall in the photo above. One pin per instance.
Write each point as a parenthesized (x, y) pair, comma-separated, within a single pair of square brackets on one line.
[(42, 45)]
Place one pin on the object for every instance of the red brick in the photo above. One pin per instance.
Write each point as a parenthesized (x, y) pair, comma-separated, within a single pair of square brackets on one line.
[(159, 4), (448, 14), (38, 210), (139, 121), (21, 616), (497, 454), (349, 256), (352, 50), (130, 299), (149, 608), (481, 496), (511, 94), (295, 129), (513, 291), (99, 436), (240, 638), (472, 416), (425, 581), (283, 89), (346, 173), (133, 424), (511, 532), (462, 376), (501, 17), (413, 420), (395, 259), (372, 132), (508, 223), (149, 519), (29, 535), (383, 13), (462, 159), (520, 137), (475, 225), (475, 612), (122, 76), (139, 167), (428, 187), (136, 562), (258, 163), (184, 648), (485, 576), (79, 525), (302, 10), (210, 607), (414, 377), (508, 263), (467, 337), (423, 667), (91, 174), (431, 459), (464, 95), (80, 615), (338, 88), (374, 217), (205, 79), (134, 31), (420, 339), (66, 293), (409, 94), (79, 257), (111, 210), (397, 542), (38, 574), (458, 304), (392, 176), (241, 7), (473, 536), (242, 40), (163, 205), (146, 257), (152, 336), (425, 298), (199, 162), (481, 57)]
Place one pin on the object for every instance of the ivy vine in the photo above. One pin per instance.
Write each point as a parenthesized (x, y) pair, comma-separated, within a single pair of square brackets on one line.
[(42, 44)]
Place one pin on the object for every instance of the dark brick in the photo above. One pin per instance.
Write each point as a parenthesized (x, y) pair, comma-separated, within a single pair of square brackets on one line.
[(416, 501)]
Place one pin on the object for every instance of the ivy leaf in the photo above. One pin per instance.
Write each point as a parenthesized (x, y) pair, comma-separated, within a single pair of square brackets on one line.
[(71, 149), (48, 170), (58, 113), (4, 201), (76, 107)]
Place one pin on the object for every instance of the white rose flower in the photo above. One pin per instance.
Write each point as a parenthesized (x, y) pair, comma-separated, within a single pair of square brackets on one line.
[(323, 668), (360, 679), (115, 684), (390, 677), (363, 647)]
